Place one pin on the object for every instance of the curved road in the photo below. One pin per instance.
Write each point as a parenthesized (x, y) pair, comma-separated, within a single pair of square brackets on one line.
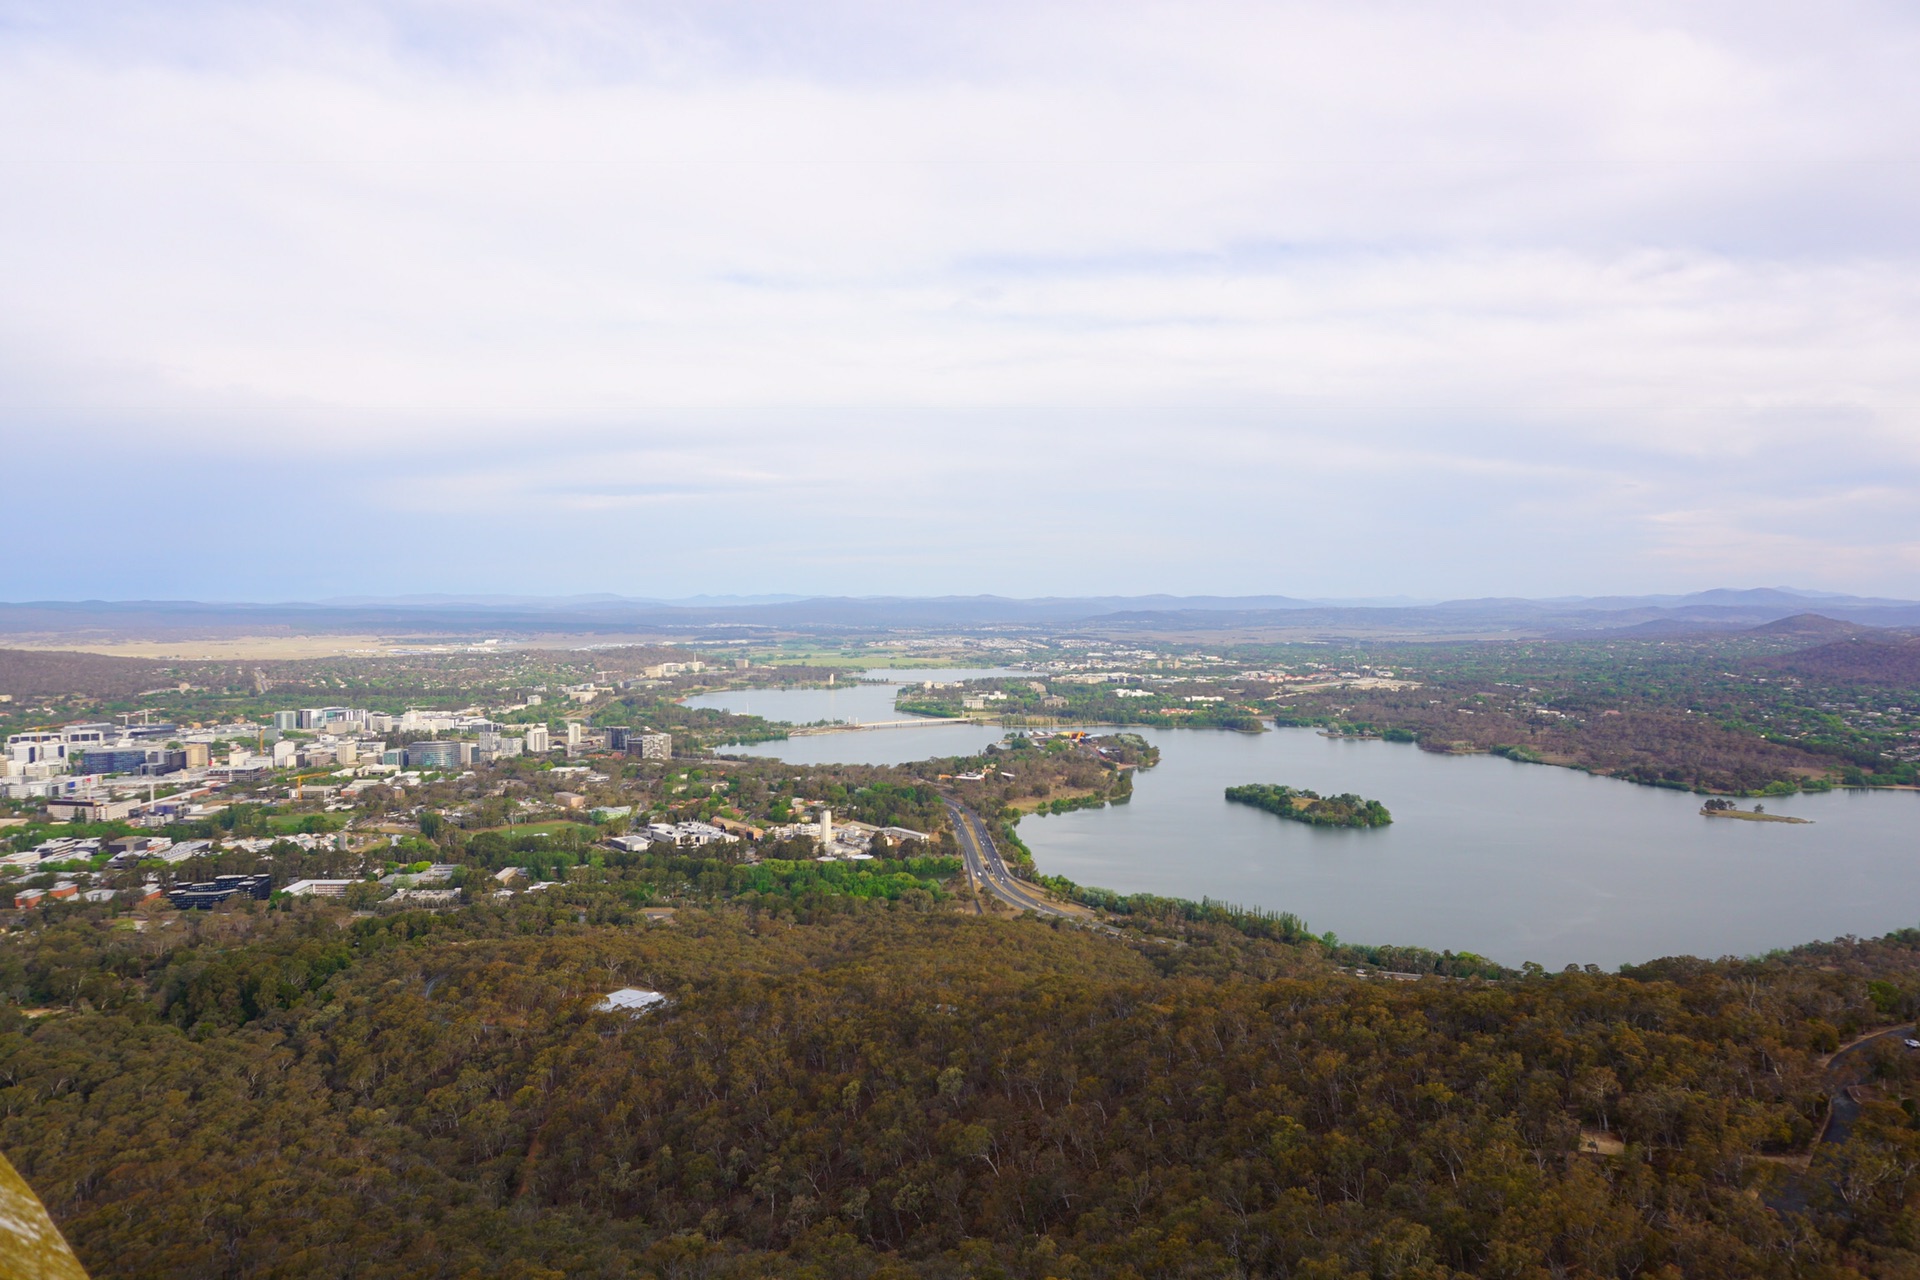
[(987, 868), (1843, 1071)]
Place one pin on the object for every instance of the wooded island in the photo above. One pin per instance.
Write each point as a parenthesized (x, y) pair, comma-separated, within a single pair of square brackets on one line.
[(1310, 807)]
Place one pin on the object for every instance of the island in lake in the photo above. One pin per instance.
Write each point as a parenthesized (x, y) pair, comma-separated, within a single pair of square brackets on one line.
[(1300, 805), (1717, 808)]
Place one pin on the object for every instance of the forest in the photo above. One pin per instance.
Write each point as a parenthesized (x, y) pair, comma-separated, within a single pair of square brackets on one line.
[(847, 1086), (1749, 713)]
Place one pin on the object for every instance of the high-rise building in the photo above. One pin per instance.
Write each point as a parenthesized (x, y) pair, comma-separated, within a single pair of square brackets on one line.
[(162, 762), (496, 746), (574, 733), (650, 746), (537, 741), (435, 755), (617, 735), (285, 720), (113, 759)]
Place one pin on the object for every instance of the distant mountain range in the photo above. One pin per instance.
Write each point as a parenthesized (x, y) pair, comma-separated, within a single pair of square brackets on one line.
[(510, 616)]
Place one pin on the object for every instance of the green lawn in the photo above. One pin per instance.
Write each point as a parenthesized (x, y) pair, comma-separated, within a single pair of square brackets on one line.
[(554, 827)]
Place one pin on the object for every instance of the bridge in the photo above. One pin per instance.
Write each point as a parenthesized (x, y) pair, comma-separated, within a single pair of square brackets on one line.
[(843, 727)]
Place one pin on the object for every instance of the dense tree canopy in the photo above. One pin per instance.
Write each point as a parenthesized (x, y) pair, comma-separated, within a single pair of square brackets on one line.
[(848, 1086)]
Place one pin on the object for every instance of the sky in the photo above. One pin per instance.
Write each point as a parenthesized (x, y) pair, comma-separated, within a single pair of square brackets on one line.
[(1328, 299)]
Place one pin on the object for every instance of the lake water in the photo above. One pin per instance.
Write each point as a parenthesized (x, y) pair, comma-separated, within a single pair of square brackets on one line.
[(857, 703), (1514, 861), (1517, 862)]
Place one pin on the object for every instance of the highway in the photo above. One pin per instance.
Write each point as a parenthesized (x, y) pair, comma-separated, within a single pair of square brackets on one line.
[(984, 864)]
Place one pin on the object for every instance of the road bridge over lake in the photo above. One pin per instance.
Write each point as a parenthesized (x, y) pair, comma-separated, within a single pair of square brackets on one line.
[(848, 726)]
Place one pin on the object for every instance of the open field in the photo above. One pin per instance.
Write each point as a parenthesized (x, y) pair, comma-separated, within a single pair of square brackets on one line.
[(232, 648), (552, 827), (270, 648)]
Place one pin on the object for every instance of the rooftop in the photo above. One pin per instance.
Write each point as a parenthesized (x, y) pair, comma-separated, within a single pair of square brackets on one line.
[(632, 999)]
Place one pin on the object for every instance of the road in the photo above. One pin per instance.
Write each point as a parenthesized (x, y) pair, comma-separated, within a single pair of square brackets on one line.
[(1843, 1069), (847, 726), (987, 868)]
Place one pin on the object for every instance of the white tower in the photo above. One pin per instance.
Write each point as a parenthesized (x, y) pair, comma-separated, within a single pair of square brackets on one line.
[(826, 828)]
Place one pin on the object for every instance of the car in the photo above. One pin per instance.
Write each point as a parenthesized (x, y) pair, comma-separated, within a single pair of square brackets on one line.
[(1911, 1043)]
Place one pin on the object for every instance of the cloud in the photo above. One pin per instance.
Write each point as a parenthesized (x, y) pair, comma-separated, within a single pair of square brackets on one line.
[(1606, 266)]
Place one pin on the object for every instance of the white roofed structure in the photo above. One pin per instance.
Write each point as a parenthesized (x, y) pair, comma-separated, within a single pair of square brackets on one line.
[(630, 999)]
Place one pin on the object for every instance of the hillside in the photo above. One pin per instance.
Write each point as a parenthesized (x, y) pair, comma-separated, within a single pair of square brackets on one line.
[(1810, 626), (859, 1090), (35, 673), (1877, 659)]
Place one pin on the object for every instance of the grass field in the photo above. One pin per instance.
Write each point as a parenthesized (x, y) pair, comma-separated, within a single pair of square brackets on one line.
[(554, 827)]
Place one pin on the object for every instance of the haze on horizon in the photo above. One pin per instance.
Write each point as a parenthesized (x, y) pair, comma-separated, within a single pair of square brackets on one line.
[(1039, 299)]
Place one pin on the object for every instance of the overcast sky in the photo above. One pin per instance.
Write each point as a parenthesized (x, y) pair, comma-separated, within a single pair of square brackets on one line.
[(1318, 299)]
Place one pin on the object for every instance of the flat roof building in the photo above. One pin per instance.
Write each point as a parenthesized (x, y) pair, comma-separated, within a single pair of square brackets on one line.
[(210, 893)]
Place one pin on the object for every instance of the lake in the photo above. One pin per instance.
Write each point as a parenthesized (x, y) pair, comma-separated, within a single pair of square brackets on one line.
[(1516, 862), (857, 703)]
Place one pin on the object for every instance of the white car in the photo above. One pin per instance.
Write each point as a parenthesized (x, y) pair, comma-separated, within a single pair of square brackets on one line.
[(1911, 1044)]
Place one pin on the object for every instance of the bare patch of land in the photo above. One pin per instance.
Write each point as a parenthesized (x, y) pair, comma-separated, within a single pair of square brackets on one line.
[(230, 648)]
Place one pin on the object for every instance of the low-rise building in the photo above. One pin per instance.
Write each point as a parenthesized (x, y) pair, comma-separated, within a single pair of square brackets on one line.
[(432, 898), (128, 850), (319, 888), (210, 893), (436, 873), (686, 833), (181, 850), (90, 808)]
